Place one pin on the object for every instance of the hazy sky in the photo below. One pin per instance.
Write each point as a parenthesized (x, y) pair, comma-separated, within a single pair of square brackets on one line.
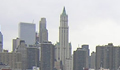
[(93, 22)]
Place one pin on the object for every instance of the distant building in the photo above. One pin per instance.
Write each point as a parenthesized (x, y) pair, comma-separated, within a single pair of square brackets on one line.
[(43, 32), (22, 48), (47, 56), (37, 37), (63, 48), (1, 42), (86, 47), (27, 32), (15, 43), (69, 64), (79, 59), (11, 59), (92, 65), (32, 57), (107, 57)]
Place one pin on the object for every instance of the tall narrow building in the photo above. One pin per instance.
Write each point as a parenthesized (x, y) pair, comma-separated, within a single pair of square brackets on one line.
[(43, 32), (79, 59), (1, 41), (65, 48), (47, 56)]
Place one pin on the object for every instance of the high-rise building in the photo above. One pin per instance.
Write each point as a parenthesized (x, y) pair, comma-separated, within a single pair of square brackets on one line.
[(63, 48), (92, 63), (43, 32), (27, 32), (79, 59), (86, 47), (32, 57), (1, 42), (47, 56), (15, 44), (22, 48), (107, 57)]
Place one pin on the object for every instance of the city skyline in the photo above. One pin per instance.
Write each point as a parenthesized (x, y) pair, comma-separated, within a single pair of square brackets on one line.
[(89, 22)]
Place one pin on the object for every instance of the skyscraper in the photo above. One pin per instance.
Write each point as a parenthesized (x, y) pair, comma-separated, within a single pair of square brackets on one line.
[(43, 32), (32, 57), (47, 56), (86, 47), (22, 48), (79, 59), (65, 48), (1, 41), (107, 57), (92, 64), (27, 33)]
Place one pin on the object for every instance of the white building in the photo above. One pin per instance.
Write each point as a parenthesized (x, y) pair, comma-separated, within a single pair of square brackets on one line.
[(27, 33), (63, 48), (69, 64), (43, 32), (16, 43)]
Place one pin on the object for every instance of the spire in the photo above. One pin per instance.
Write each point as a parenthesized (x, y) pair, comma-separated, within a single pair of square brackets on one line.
[(64, 11)]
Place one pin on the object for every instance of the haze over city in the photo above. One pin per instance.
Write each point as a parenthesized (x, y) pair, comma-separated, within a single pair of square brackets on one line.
[(90, 22)]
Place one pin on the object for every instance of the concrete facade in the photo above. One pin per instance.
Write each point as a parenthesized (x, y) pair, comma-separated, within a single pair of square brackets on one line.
[(79, 59), (47, 56), (107, 57), (43, 32), (15, 44), (22, 48), (69, 64), (32, 57), (86, 47), (92, 64), (12, 59)]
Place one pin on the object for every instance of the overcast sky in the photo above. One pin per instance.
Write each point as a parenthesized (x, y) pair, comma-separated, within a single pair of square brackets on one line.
[(93, 22)]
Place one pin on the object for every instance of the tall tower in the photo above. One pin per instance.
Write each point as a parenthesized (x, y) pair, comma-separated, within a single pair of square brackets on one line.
[(43, 32), (65, 49), (1, 41)]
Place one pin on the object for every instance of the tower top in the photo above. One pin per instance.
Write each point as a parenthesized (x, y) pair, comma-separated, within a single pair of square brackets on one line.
[(64, 11)]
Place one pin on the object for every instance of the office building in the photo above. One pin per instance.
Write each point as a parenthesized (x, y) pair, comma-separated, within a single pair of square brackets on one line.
[(107, 57), (92, 64), (43, 32), (1, 42), (79, 59), (47, 56), (37, 37), (32, 57), (69, 63), (63, 48), (86, 47), (11, 59), (22, 48), (15, 44), (27, 33)]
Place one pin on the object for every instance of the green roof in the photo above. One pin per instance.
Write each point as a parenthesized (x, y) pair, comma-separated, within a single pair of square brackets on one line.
[(64, 11)]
